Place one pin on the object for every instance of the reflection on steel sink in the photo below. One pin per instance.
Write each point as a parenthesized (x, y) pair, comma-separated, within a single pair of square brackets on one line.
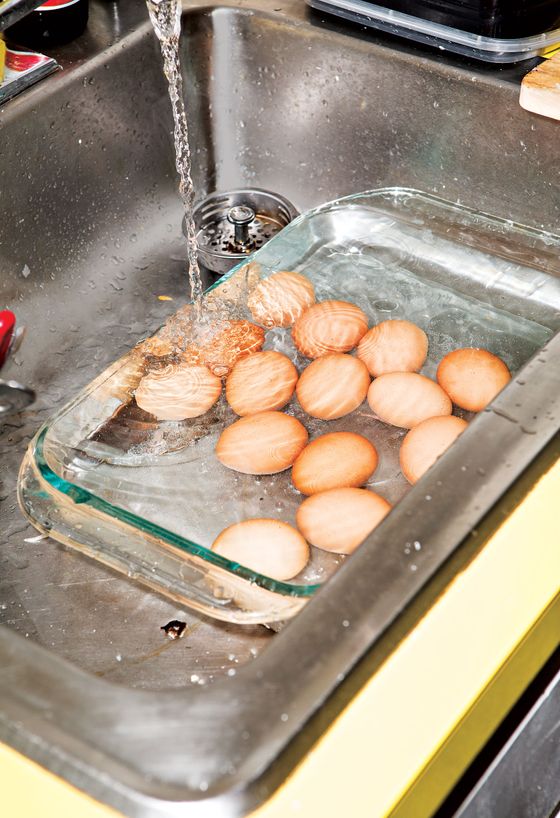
[(91, 237)]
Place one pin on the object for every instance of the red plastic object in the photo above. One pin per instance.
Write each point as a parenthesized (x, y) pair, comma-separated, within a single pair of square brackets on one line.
[(7, 326)]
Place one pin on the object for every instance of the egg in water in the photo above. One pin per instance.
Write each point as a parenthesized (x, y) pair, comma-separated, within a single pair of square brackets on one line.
[(472, 377), (393, 346), (265, 443), (332, 386), (280, 299), (424, 444), (178, 392), (261, 382), (406, 399), (269, 547), (220, 349), (334, 460), (329, 326), (338, 520)]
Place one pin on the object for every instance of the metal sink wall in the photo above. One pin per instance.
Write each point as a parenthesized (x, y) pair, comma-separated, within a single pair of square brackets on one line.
[(90, 237), (315, 115)]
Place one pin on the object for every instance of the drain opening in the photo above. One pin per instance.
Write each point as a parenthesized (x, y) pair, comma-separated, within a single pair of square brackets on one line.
[(231, 225)]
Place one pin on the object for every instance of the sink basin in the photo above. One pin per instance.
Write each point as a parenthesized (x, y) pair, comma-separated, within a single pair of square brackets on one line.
[(91, 239)]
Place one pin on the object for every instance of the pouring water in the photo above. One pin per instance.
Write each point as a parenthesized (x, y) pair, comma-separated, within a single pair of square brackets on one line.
[(165, 16)]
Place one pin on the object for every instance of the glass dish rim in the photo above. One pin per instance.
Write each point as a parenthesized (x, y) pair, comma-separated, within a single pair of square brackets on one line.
[(81, 495)]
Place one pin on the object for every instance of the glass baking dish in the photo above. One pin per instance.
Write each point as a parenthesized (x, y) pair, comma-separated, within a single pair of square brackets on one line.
[(148, 498)]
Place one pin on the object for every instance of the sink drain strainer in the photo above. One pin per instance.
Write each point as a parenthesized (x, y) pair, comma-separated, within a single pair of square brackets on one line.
[(231, 225)]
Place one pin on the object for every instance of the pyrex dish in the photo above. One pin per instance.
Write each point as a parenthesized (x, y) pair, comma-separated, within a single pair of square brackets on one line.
[(149, 498)]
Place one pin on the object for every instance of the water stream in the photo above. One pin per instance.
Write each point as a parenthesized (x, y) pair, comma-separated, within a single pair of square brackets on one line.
[(165, 16)]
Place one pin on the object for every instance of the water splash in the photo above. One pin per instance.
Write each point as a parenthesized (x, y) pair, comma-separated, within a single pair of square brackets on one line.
[(165, 16)]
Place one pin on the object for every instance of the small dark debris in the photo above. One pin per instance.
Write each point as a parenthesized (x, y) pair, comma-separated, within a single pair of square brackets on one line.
[(174, 629)]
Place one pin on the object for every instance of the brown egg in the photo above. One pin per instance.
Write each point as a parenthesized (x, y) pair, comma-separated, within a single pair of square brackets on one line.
[(277, 301), (268, 547), (332, 386), (265, 443), (406, 399), (393, 346), (335, 460), (330, 326), (260, 383), (156, 347), (124, 380), (220, 348), (339, 520), (426, 442), (472, 377), (178, 392)]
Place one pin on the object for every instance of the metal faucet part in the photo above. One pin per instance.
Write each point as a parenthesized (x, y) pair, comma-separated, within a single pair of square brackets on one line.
[(13, 395), (7, 329)]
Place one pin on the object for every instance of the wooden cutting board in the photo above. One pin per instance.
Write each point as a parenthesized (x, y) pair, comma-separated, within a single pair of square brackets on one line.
[(540, 89)]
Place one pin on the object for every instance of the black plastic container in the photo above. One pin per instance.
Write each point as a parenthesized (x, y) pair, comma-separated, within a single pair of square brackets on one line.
[(502, 19), (496, 31), (54, 23)]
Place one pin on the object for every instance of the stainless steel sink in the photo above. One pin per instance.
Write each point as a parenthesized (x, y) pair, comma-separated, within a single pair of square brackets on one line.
[(90, 237)]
